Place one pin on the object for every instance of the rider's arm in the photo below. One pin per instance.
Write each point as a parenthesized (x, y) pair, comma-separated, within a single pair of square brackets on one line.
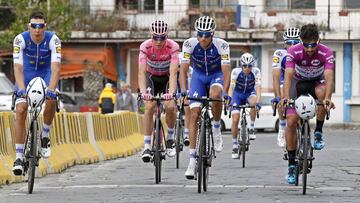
[(185, 63), (142, 69), (19, 45), (224, 51), (174, 69), (234, 75), (225, 68), (289, 74), (329, 75), (55, 47), (257, 84), (183, 72), (276, 72)]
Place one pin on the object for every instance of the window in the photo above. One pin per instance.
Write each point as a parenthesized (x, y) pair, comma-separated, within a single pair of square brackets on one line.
[(127, 4), (149, 5), (289, 4), (351, 4)]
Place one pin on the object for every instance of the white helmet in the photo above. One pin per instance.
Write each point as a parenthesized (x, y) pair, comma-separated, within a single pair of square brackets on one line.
[(306, 106), (291, 33), (36, 92), (205, 24), (247, 59), (159, 27)]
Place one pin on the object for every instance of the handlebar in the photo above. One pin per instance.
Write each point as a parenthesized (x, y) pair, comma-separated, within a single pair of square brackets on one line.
[(291, 103), (246, 106)]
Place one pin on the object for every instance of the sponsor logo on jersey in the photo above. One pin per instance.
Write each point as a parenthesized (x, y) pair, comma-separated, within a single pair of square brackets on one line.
[(16, 49), (187, 44), (331, 60), (303, 62), (18, 41), (276, 59), (288, 58), (187, 55), (225, 57), (278, 53), (224, 46), (315, 62), (58, 50), (57, 41)]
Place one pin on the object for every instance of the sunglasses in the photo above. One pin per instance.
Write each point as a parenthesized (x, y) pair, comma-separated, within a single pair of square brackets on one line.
[(204, 34), (247, 66), (159, 37), (37, 25), (310, 45), (292, 41)]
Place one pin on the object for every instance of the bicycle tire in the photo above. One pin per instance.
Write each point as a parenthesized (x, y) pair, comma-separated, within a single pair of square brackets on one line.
[(244, 141), (178, 141), (200, 161), (206, 165), (305, 155), (33, 156), (157, 151)]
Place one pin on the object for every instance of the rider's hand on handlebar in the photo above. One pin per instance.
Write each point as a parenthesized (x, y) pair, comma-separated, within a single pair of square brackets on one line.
[(51, 95), (227, 99), (167, 96), (258, 106), (329, 104), (275, 100), (146, 96), (21, 93)]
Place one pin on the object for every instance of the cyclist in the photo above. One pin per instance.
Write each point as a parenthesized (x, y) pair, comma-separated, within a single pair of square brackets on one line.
[(309, 69), (36, 53), (210, 60), (158, 66), (245, 88), (291, 37)]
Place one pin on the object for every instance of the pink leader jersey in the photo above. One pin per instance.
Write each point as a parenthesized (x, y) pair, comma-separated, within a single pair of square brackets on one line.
[(309, 67), (158, 60)]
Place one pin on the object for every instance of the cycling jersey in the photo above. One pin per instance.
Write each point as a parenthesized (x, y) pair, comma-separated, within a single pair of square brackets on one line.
[(243, 83), (188, 79), (279, 60), (36, 58), (158, 60), (309, 67), (206, 61)]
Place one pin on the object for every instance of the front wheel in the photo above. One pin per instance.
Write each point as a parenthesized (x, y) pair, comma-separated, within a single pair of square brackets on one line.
[(32, 156), (305, 149), (201, 156), (178, 141)]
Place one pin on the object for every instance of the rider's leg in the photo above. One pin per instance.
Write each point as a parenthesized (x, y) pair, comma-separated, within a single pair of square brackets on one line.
[(21, 112), (49, 113), (186, 125), (195, 114), (291, 142), (170, 110), (282, 122), (148, 122), (235, 115), (215, 93), (320, 117), (252, 101)]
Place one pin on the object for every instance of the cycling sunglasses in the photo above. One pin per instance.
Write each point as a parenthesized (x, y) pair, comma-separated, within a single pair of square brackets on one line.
[(292, 41), (204, 34), (159, 37), (310, 45), (247, 66), (37, 25)]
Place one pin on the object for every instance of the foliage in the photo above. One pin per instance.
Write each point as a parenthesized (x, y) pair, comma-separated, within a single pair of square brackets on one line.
[(59, 18)]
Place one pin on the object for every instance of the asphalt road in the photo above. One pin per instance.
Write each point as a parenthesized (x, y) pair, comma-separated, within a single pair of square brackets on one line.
[(335, 177)]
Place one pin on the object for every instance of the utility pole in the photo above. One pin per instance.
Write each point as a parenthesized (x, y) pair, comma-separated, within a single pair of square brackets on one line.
[(328, 25), (156, 8)]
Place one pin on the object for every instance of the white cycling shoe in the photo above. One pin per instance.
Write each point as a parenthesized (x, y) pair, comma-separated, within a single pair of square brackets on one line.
[(190, 171)]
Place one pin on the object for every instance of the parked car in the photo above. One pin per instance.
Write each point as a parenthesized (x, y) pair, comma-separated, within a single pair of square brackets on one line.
[(266, 119), (6, 92)]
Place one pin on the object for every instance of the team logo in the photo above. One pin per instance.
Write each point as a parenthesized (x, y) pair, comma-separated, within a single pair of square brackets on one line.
[(17, 41), (57, 41), (288, 58), (278, 53), (187, 44), (58, 50), (153, 56), (187, 55), (303, 62), (315, 62), (16, 49), (195, 94), (224, 46), (332, 60), (225, 57), (276, 59)]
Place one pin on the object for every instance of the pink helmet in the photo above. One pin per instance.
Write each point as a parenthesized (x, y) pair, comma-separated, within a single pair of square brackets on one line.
[(159, 27)]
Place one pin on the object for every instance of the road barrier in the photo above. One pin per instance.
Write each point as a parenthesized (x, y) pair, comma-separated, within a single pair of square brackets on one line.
[(76, 138)]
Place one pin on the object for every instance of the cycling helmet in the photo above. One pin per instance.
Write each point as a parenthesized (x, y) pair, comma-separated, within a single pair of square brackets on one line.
[(247, 59), (159, 27), (291, 33), (306, 106), (36, 92), (205, 24)]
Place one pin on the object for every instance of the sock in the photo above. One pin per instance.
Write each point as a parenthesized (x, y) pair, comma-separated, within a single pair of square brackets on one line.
[(252, 124), (192, 156), (186, 133), (170, 135), (216, 128), (291, 156), (19, 151), (319, 125), (147, 141), (45, 131), (235, 143), (282, 124)]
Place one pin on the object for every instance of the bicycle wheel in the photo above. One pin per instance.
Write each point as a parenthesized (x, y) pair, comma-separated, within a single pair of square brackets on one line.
[(208, 157), (305, 149), (200, 158), (244, 141), (32, 156), (178, 135), (157, 151)]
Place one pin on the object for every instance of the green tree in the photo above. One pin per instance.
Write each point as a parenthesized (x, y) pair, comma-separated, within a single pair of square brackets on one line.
[(59, 17)]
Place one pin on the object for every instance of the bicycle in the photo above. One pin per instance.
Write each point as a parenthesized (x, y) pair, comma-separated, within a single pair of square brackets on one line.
[(179, 127), (285, 157), (205, 151), (158, 147), (304, 150), (31, 149), (243, 137)]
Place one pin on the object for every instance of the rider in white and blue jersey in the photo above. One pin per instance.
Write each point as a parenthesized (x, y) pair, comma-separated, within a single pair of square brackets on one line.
[(245, 88), (291, 37), (210, 59), (37, 53)]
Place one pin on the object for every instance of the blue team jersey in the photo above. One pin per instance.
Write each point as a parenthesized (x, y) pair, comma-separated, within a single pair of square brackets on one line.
[(279, 59)]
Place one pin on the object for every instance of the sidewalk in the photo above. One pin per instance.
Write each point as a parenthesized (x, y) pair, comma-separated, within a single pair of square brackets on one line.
[(343, 126)]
